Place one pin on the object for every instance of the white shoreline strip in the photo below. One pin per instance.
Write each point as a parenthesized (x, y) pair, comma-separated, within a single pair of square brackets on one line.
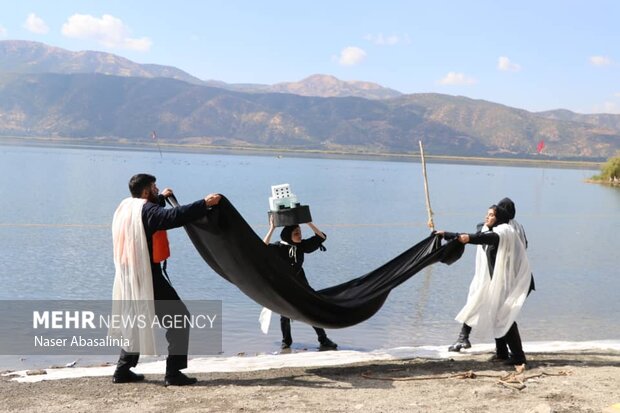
[(313, 359)]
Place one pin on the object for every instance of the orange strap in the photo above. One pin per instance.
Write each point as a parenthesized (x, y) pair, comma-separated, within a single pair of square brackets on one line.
[(161, 247)]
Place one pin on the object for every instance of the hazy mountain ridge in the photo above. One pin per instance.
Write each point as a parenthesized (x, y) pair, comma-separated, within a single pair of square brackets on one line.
[(20, 56), (141, 98), (604, 120), (512, 130), (94, 105), (315, 85), (330, 86)]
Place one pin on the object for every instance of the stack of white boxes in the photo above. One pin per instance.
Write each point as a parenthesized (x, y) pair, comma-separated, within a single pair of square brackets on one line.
[(285, 208), (282, 197)]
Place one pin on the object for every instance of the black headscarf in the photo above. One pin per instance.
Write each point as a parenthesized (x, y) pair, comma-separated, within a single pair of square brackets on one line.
[(509, 206), (287, 233), (502, 215)]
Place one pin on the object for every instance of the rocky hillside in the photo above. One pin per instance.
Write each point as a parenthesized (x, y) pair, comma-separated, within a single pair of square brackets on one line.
[(316, 85), (20, 56), (604, 120), (48, 91), (114, 107)]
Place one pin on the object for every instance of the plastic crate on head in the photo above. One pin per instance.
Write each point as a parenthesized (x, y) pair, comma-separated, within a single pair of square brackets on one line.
[(285, 207)]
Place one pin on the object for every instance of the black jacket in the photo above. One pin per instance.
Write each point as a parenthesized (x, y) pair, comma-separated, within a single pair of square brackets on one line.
[(294, 253), (155, 218)]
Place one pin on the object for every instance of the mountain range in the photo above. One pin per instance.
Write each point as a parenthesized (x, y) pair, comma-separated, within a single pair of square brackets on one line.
[(48, 91)]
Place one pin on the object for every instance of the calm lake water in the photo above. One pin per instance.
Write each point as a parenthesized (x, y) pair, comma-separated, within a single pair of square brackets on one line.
[(55, 236)]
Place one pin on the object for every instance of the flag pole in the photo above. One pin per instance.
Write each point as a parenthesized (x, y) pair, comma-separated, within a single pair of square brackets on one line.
[(429, 211), (154, 137)]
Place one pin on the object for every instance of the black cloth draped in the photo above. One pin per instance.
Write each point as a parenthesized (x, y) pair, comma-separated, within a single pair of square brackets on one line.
[(233, 250)]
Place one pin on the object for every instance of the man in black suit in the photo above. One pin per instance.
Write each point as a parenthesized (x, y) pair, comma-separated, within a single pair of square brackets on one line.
[(146, 208)]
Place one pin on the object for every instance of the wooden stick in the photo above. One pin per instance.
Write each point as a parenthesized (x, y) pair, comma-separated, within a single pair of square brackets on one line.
[(430, 224)]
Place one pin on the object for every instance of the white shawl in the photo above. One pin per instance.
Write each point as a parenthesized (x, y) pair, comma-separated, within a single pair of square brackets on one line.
[(519, 230), (494, 304), (133, 280)]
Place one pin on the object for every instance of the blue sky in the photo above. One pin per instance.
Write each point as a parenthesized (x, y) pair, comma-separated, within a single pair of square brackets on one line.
[(534, 55)]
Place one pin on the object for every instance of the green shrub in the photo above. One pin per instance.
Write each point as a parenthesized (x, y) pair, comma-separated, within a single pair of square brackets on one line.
[(610, 170)]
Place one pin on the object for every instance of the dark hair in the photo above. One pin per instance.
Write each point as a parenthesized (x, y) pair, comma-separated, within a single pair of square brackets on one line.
[(139, 183), (501, 215), (509, 206), (286, 234)]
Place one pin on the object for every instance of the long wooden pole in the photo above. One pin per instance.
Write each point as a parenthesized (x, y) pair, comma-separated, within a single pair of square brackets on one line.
[(429, 211)]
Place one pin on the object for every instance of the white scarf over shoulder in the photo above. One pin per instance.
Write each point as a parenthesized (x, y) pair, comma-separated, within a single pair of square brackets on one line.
[(494, 304), (133, 280), (520, 231)]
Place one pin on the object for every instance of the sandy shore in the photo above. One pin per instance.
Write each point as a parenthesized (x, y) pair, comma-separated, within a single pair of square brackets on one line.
[(584, 381)]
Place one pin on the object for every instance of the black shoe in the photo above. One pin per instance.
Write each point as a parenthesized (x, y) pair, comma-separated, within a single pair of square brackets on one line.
[(459, 344), (515, 361), (180, 379), (127, 377), (285, 345), (327, 344), (498, 359)]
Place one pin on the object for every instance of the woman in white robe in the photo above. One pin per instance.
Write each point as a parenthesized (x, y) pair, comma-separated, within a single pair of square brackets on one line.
[(501, 281)]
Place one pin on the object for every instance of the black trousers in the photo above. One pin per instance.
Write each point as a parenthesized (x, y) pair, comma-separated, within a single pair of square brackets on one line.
[(169, 304), (285, 326), (511, 340), (501, 344)]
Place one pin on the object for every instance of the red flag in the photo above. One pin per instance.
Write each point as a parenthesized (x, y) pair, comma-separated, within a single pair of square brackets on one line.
[(541, 146)]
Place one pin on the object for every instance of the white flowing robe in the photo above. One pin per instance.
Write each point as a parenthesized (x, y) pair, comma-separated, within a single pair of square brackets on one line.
[(494, 304), (520, 231), (132, 293)]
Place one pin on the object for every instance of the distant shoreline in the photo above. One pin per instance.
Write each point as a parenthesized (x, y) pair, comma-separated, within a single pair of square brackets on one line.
[(280, 152), (602, 182)]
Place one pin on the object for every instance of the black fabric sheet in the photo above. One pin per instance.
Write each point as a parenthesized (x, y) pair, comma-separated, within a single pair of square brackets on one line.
[(231, 247)]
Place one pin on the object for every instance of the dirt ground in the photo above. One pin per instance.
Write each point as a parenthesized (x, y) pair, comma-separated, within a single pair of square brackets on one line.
[(558, 382)]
